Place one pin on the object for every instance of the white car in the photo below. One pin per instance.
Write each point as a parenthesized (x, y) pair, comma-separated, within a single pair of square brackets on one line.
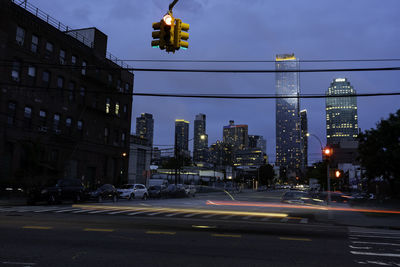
[(132, 191)]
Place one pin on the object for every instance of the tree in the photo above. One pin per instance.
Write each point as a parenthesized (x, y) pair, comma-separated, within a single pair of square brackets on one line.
[(266, 174), (379, 151), (318, 171)]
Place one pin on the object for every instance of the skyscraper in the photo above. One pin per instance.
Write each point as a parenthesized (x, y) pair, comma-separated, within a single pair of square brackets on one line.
[(145, 127), (288, 140), (200, 142), (257, 141), (182, 137), (341, 112), (236, 135), (304, 138)]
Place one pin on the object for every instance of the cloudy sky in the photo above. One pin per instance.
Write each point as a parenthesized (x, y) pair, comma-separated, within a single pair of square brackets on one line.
[(248, 30)]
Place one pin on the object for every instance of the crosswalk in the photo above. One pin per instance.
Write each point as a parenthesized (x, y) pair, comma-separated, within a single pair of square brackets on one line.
[(145, 211), (374, 247)]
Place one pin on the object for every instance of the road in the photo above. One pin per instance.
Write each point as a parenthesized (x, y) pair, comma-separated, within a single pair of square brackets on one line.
[(129, 234)]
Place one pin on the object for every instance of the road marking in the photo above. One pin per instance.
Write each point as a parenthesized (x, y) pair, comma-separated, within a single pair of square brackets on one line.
[(18, 263), (172, 214), (204, 226), (377, 263), (350, 246), (375, 254), (285, 219), (80, 211), (304, 220), (209, 216), (224, 235), (391, 237), (66, 210), (37, 227), (191, 215), (247, 217), (139, 212), (387, 233), (375, 243), (45, 210), (98, 230), (99, 211), (156, 213), (160, 233), (120, 211), (227, 217), (294, 239)]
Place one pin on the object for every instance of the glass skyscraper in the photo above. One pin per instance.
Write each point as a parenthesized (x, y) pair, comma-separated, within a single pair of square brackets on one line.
[(304, 138), (200, 140), (182, 137), (236, 135), (145, 127), (341, 112), (288, 136)]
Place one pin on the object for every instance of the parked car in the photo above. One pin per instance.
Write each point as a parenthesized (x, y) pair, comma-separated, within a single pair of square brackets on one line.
[(106, 191), (56, 191), (132, 191), (190, 190), (155, 191), (174, 191)]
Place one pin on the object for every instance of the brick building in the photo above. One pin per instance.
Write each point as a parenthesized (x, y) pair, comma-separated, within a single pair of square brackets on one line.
[(65, 103)]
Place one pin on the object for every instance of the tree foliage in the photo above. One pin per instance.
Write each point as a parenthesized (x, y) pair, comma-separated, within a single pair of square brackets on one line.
[(266, 174), (379, 150)]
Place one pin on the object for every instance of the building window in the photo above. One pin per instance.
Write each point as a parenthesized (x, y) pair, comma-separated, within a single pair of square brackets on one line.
[(62, 56), (117, 108), (28, 117), (15, 72), (125, 108), (123, 137), (84, 64), (34, 44), (32, 71), (116, 137), (46, 77), (12, 106), (73, 60), (60, 82), (127, 88), (119, 87), (108, 103), (43, 116), (20, 36), (71, 91), (79, 125), (56, 122), (68, 122), (110, 78), (49, 50)]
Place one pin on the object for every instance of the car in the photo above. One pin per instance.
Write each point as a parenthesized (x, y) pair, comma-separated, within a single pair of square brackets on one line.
[(174, 191), (132, 191), (106, 191), (296, 197), (57, 191), (190, 190), (155, 191)]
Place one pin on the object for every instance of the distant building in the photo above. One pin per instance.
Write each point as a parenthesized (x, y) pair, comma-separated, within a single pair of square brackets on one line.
[(182, 138), (156, 156), (70, 122), (139, 160), (200, 141), (221, 154), (304, 139), (288, 133), (341, 112), (145, 127), (249, 157), (236, 135), (257, 141)]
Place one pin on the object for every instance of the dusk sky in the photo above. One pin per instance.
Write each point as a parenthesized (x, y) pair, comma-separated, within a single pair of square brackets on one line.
[(248, 30)]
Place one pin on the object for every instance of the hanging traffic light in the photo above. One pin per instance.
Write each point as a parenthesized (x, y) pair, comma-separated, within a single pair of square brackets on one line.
[(158, 41), (338, 173), (181, 34), (327, 153)]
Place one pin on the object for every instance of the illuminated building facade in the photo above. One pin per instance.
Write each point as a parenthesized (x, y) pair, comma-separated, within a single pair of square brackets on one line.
[(182, 137), (236, 135), (341, 113), (304, 139), (288, 133), (200, 141), (145, 127)]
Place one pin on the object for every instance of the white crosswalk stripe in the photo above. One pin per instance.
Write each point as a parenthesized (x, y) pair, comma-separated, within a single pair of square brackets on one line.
[(227, 217), (171, 214), (138, 212), (118, 212), (285, 219), (99, 211), (209, 216), (65, 210), (191, 215)]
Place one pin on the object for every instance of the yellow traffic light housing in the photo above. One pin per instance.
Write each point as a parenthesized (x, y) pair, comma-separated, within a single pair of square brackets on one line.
[(158, 40), (181, 34)]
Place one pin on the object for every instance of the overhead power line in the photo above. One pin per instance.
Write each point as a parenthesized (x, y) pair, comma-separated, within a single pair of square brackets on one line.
[(211, 96), (258, 61)]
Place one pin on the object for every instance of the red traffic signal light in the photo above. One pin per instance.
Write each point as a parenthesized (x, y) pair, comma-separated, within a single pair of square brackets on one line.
[(327, 151)]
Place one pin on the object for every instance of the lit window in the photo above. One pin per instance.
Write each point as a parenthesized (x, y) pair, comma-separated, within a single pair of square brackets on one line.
[(68, 122), (117, 108), (20, 36), (42, 114), (108, 105), (73, 60), (80, 125), (28, 112), (16, 71)]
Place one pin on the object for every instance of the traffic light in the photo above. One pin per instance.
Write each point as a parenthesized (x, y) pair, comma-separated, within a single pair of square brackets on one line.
[(164, 34), (327, 153), (181, 34), (338, 173), (158, 41)]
